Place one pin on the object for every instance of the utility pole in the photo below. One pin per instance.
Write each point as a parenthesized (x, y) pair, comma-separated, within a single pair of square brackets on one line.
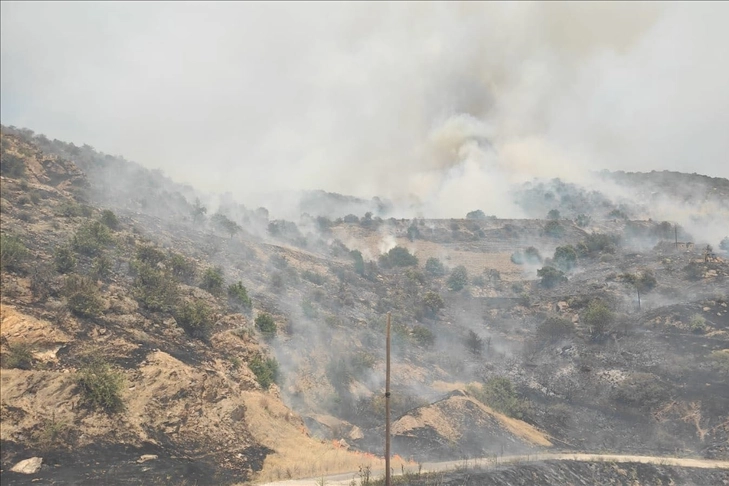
[(675, 233), (387, 406)]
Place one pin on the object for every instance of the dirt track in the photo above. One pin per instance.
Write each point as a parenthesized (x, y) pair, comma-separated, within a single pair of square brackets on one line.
[(346, 479)]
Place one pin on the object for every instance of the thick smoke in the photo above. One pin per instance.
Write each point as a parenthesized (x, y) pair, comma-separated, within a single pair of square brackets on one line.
[(437, 107)]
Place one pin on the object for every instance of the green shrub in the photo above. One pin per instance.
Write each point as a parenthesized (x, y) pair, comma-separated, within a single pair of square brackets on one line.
[(720, 360), (359, 266), (477, 214), (266, 324), (19, 355), (553, 214), (642, 390), (550, 276), (12, 166), (91, 238), (432, 302), (238, 295), (553, 229), (458, 278), (181, 267), (155, 289), (68, 209), (82, 296), (423, 336), (109, 219), (398, 257), (101, 267), (565, 258), (265, 369), (64, 260), (150, 255), (583, 220), (474, 343), (196, 318), (598, 318), (555, 328), (697, 324), (434, 267), (529, 256), (13, 253), (101, 385), (596, 243), (314, 277), (499, 394), (212, 280)]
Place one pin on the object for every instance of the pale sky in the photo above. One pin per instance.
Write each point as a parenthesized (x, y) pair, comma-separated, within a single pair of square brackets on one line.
[(446, 103)]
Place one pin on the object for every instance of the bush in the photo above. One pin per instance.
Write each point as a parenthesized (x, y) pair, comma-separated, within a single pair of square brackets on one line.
[(554, 328), (265, 369), (720, 360), (499, 394), (150, 255), (359, 265), (19, 355), (596, 243), (64, 260), (82, 296), (550, 276), (238, 295), (398, 257), (477, 214), (181, 267), (553, 214), (529, 256), (69, 209), (12, 166), (196, 318), (474, 343), (583, 220), (553, 229), (101, 268), (212, 281), (109, 219), (423, 336), (266, 324), (12, 253), (458, 278), (314, 277), (434, 267), (155, 289), (697, 324), (642, 390), (598, 318), (308, 309), (101, 386), (432, 302), (565, 258), (91, 238)]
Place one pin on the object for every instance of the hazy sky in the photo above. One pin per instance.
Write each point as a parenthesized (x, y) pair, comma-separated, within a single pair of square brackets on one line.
[(442, 103)]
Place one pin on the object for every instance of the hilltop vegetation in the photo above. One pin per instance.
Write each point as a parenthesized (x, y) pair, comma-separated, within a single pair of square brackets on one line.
[(145, 317)]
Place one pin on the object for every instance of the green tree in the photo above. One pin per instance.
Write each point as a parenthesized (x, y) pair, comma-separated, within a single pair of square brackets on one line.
[(198, 212), (434, 267), (399, 257), (238, 295), (266, 324), (477, 214), (91, 238), (583, 220), (64, 259), (154, 288), (101, 385), (598, 318), (499, 394), (565, 258), (82, 296), (213, 280), (554, 229), (265, 370), (196, 318), (458, 278), (474, 343), (225, 224), (553, 214), (550, 276), (643, 282), (432, 302), (109, 219), (12, 253), (359, 265)]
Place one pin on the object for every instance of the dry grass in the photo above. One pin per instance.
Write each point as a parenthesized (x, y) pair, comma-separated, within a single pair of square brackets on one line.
[(298, 455)]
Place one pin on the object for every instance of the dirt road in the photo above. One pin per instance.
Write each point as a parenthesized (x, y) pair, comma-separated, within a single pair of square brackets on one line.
[(346, 478)]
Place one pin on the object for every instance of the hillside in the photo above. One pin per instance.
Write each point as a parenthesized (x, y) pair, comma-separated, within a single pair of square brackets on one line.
[(236, 347)]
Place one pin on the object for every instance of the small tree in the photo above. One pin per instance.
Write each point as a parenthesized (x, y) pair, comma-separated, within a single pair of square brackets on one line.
[(554, 328), (91, 238), (265, 370), (432, 303), (434, 267), (359, 265), (266, 324), (238, 295), (101, 385), (109, 219), (474, 343), (83, 296), (423, 336), (225, 224), (196, 318), (553, 214), (643, 282), (553, 229), (198, 212), (583, 220), (477, 214), (458, 278), (64, 260), (12, 253), (598, 318), (155, 289), (399, 257), (550, 276), (212, 280), (565, 258)]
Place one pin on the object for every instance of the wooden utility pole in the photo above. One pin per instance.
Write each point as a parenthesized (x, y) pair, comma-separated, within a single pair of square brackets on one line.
[(675, 234), (387, 406)]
